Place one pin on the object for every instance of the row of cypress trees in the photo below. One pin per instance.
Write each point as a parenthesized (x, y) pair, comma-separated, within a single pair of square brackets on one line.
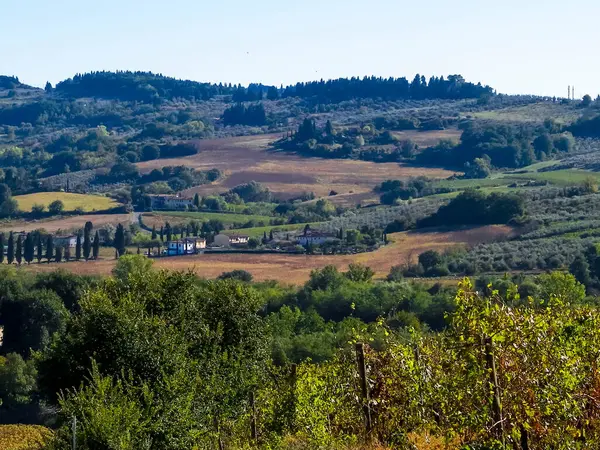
[(33, 246)]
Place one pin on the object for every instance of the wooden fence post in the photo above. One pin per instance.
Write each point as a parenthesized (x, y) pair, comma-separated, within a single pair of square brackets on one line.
[(253, 430), (498, 426), (362, 371), (524, 438), (293, 399), (74, 428)]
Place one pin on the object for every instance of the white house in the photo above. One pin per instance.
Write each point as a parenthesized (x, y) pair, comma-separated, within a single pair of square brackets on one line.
[(314, 238), (170, 202), (65, 241), (222, 240), (185, 247)]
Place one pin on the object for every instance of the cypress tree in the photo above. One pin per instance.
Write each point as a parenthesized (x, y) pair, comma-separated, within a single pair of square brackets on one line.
[(19, 252), (78, 247), (162, 234), (10, 255), (182, 232), (96, 245), (29, 249), (197, 200), (1, 248), (58, 256), (153, 232), (87, 243), (168, 231), (119, 243), (271, 235), (40, 249), (49, 248), (67, 253)]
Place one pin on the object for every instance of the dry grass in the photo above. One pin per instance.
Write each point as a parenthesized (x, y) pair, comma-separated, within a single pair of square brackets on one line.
[(66, 223), (249, 158), (428, 138), (295, 269), (23, 437)]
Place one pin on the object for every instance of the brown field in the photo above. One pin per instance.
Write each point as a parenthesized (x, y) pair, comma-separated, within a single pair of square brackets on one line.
[(428, 138), (295, 269), (249, 158), (65, 223)]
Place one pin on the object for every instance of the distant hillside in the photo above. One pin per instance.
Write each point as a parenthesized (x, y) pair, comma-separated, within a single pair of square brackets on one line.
[(137, 86), (148, 87), (7, 82)]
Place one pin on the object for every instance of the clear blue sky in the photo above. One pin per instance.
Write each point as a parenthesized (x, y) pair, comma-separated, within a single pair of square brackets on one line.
[(524, 46)]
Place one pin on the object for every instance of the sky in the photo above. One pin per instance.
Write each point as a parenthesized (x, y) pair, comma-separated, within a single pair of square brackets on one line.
[(518, 47)]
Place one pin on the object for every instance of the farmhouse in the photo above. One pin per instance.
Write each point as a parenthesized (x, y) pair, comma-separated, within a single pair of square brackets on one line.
[(66, 241), (314, 238), (185, 246), (170, 202)]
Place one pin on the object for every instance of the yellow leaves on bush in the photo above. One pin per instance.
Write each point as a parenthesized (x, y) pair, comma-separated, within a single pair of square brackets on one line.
[(23, 437)]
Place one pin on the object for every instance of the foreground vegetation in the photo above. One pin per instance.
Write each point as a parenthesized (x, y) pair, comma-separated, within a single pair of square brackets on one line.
[(160, 359)]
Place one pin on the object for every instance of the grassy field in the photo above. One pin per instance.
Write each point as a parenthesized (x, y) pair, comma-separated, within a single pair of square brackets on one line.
[(565, 177), (537, 112), (185, 216), (71, 201), (260, 231), (249, 158), (295, 269), (65, 223), (428, 138)]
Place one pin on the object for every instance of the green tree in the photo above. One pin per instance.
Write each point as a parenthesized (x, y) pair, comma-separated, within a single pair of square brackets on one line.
[(162, 234), (134, 265), (56, 207), (1, 247), (119, 242), (197, 201), (96, 249), (581, 270), (153, 232), (359, 273), (586, 101), (17, 381), (430, 259), (10, 251)]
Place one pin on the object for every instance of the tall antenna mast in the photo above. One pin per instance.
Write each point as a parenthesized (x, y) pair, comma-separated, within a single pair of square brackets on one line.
[(569, 93), (573, 92)]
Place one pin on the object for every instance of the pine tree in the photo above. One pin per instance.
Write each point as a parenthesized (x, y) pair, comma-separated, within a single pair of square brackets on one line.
[(49, 248), (96, 245), (153, 232), (10, 254), (19, 251), (78, 247), (1, 247), (59, 254), (119, 242), (87, 243), (40, 249)]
